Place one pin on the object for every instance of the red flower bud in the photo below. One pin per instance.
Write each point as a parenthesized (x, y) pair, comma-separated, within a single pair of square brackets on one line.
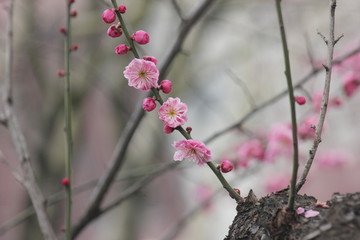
[(226, 166)]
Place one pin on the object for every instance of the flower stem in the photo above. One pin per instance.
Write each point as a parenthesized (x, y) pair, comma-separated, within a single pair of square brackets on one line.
[(124, 28), (68, 127), (223, 181), (292, 193), (156, 93)]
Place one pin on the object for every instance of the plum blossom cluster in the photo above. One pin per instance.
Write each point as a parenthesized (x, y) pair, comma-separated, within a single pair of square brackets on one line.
[(142, 74), (116, 30), (276, 143)]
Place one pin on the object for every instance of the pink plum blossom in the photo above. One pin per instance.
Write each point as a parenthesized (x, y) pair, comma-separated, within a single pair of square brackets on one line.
[(114, 31), (166, 86), (317, 101), (122, 49), (141, 74), (109, 16), (243, 163), (173, 112), (193, 150), (141, 37), (279, 142), (350, 83), (334, 159), (252, 149), (226, 166), (350, 64), (149, 104)]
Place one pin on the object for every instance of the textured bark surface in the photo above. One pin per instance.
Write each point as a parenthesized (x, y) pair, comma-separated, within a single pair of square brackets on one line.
[(268, 218)]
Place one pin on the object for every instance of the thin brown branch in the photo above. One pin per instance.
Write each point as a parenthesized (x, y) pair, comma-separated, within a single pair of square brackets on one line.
[(130, 191), (27, 178), (118, 157), (181, 224), (330, 45), (279, 96), (60, 196), (244, 87), (13, 171), (178, 9)]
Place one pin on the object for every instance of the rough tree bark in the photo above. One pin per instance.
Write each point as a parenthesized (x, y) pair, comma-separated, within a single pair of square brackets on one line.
[(268, 218)]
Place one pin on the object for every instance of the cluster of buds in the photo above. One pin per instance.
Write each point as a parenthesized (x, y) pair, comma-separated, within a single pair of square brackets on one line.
[(64, 31), (115, 30)]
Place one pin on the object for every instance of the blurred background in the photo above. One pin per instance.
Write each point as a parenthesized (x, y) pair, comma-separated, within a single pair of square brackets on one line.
[(230, 63)]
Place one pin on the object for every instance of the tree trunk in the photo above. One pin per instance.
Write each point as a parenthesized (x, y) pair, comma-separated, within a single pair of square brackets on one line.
[(269, 218)]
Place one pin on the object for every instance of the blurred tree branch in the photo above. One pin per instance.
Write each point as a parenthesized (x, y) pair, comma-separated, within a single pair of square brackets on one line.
[(119, 154), (330, 42), (278, 96), (11, 122)]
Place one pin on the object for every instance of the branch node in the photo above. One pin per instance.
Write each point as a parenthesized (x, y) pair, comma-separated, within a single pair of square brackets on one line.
[(325, 67), (323, 37), (336, 40)]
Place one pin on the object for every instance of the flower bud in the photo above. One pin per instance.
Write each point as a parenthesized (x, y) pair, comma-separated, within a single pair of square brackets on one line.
[(151, 59), (236, 190), (122, 9), (166, 86), (300, 100), (189, 130), (63, 30), (61, 73), (122, 49), (226, 166), (141, 37), (149, 104), (108, 16), (114, 31), (74, 48), (65, 182), (73, 13), (168, 129)]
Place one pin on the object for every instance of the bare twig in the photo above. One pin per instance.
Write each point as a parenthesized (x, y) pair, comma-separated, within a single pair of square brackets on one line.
[(118, 157), (178, 9), (11, 168), (309, 52), (279, 96), (124, 196), (68, 122), (243, 86), (59, 196), (28, 178), (181, 224), (292, 191), (328, 68)]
